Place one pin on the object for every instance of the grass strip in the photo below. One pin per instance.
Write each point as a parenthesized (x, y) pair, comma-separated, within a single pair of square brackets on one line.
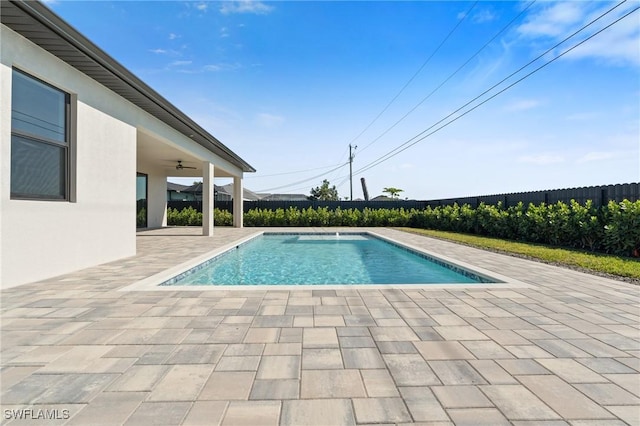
[(576, 259)]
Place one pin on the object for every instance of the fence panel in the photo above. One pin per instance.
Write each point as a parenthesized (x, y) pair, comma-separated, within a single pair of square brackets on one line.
[(599, 195), (180, 205), (332, 205)]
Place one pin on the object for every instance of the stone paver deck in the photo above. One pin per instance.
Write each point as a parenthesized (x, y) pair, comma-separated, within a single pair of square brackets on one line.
[(565, 351)]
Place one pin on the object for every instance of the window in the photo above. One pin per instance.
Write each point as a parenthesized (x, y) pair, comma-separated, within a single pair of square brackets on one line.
[(141, 199), (40, 140)]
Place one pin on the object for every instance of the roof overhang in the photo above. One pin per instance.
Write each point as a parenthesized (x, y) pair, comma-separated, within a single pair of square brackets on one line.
[(39, 24)]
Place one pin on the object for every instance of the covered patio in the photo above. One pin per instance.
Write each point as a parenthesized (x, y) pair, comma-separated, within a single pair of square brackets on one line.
[(159, 157)]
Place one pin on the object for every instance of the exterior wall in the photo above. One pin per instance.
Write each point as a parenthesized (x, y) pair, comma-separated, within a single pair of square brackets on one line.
[(41, 239)]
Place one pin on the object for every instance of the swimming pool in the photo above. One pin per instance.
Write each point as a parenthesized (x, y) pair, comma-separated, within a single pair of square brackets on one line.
[(322, 259)]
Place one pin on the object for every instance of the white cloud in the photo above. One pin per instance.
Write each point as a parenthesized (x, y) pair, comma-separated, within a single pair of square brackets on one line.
[(245, 6), (617, 45), (182, 67), (168, 52), (173, 36), (523, 105), (479, 17), (583, 116), (221, 67), (542, 159), (269, 120), (224, 32), (213, 67), (483, 16), (488, 147), (202, 7), (553, 20), (180, 63), (596, 156)]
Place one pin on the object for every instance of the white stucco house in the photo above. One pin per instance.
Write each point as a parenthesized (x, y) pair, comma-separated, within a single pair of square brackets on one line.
[(84, 144)]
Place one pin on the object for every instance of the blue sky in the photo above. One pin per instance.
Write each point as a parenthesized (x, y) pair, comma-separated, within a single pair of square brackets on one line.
[(288, 85)]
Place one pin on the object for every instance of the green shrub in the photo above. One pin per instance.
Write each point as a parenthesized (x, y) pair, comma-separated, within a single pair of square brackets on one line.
[(336, 217), (614, 228), (622, 229), (191, 217), (583, 226), (323, 216), (141, 218), (292, 216), (352, 217), (222, 217), (308, 217)]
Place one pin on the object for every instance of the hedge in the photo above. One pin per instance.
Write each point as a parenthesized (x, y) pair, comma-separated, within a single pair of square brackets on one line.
[(192, 217), (614, 228)]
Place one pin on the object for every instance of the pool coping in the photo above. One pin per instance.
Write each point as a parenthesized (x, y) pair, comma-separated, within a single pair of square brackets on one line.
[(153, 282)]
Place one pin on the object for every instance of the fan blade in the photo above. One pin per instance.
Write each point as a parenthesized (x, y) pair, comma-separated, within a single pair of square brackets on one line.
[(179, 166)]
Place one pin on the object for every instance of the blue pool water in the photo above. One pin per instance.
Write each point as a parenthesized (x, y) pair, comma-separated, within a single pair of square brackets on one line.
[(321, 259)]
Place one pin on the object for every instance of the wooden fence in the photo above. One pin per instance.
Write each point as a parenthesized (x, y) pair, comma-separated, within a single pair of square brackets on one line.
[(599, 195)]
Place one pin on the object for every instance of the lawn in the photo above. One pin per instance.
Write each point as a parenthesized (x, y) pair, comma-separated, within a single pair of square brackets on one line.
[(620, 267)]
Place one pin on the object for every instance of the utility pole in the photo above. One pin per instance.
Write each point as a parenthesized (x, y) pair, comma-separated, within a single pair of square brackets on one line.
[(351, 155)]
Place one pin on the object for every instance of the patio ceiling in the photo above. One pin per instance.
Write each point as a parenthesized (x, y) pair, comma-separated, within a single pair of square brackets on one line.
[(163, 157)]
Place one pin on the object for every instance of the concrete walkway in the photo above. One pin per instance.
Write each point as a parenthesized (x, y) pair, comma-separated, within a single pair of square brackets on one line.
[(77, 351)]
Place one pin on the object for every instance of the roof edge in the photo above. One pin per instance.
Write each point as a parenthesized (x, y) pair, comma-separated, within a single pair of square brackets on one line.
[(69, 34)]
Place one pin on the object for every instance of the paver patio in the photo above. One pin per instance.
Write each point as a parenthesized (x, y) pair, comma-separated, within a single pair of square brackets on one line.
[(565, 351)]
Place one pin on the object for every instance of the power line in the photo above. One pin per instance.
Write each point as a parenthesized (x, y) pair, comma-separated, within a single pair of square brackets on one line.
[(417, 72), (398, 150), (307, 186), (450, 76), (304, 180), (345, 155), (294, 172), (391, 153), (400, 92), (343, 181), (351, 155), (336, 166), (293, 190)]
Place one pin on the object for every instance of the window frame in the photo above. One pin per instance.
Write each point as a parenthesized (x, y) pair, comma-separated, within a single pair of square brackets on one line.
[(68, 146)]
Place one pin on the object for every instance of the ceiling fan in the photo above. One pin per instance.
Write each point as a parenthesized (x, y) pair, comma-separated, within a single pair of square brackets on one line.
[(180, 166)]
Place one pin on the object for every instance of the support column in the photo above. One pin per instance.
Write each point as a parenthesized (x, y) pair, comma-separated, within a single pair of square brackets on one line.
[(156, 200), (238, 203), (207, 198)]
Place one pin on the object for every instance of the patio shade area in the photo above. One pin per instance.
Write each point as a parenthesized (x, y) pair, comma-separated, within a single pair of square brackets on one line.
[(564, 351)]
